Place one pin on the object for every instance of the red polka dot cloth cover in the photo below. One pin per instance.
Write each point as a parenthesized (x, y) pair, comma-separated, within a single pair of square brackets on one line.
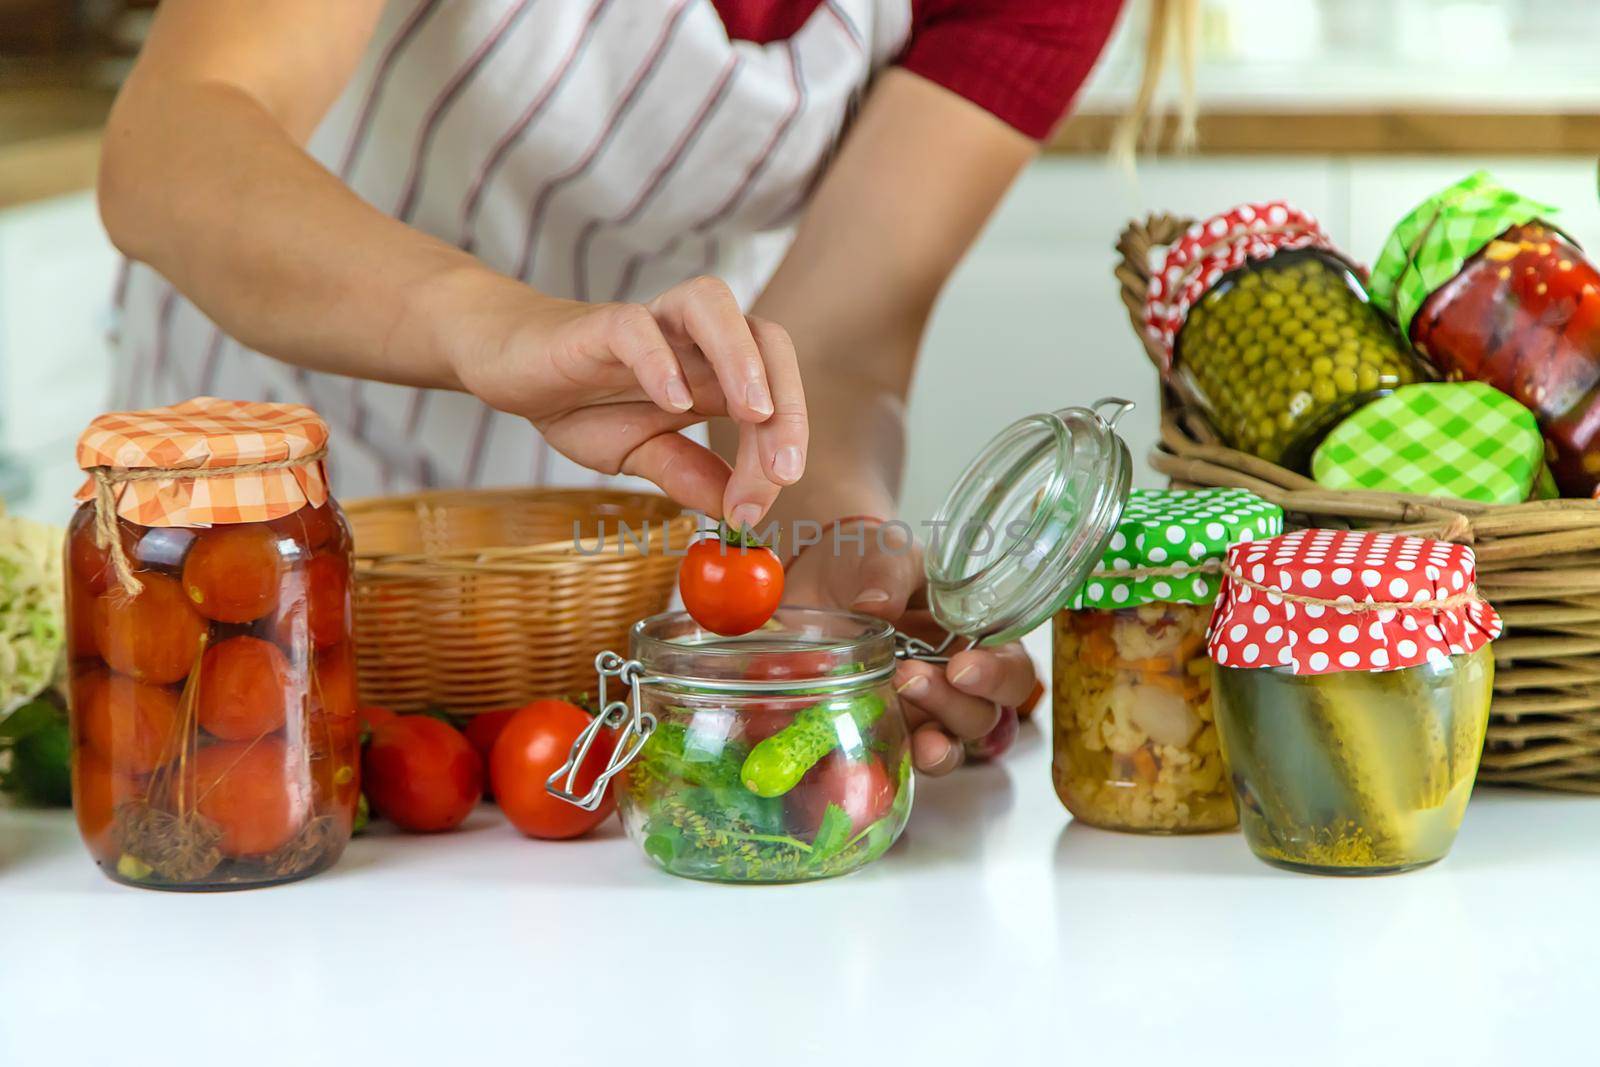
[(1321, 601), (1191, 265)]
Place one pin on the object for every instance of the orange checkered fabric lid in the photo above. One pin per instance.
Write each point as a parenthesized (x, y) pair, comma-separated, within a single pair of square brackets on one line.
[(206, 462)]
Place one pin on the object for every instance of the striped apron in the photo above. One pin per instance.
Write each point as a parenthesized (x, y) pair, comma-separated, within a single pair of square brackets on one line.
[(596, 149)]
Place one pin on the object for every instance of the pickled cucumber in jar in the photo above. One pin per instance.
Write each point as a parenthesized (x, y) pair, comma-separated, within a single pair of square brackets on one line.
[(1351, 696), (1268, 328)]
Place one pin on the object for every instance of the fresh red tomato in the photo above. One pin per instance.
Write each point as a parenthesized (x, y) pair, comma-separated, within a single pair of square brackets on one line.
[(421, 774), (730, 589), (483, 728), (862, 788), (997, 741), (531, 747), (372, 717)]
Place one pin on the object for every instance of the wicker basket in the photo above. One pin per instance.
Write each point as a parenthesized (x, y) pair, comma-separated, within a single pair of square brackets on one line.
[(1539, 563), (481, 599)]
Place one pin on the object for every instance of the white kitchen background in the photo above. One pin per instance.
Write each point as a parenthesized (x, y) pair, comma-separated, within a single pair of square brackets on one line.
[(1032, 318)]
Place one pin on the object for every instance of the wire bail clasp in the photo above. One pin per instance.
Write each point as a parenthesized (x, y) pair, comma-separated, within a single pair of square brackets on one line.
[(907, 647), (629, 715)]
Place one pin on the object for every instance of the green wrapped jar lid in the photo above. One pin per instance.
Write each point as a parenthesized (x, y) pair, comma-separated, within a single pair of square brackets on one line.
[(1463, 440), (1169, 544), (1430, 245)]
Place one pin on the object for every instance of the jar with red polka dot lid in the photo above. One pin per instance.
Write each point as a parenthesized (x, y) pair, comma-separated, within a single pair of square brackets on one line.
[(1353, 679), (1259, 320)]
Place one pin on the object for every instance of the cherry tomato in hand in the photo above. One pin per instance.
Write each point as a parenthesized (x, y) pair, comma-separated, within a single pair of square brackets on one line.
[(421, 774), (531, 747), (862, 788), (729, 589)]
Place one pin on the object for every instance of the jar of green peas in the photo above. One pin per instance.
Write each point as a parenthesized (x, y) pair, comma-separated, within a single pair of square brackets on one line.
[(1266, 326)]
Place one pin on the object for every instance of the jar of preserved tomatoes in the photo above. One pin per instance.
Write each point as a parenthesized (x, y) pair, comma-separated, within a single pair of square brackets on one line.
[(1265, 325), (1352, 696), (1135, 740), (782, 755), (1488, 290), (213, 685)]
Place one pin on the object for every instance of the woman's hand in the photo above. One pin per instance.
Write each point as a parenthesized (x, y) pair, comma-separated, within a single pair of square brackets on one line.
[(612, 385), (881, 574)]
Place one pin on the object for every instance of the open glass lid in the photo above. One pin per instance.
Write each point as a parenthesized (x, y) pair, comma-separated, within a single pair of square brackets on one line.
[(1027, 521)]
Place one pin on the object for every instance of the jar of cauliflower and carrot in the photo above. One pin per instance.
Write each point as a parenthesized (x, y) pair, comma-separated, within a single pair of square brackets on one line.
[(1135, 740)]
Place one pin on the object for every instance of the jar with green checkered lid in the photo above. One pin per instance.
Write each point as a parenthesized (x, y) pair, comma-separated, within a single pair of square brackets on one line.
[(1488, 290), (1265, 324), (1135, 745), (1462, 440)]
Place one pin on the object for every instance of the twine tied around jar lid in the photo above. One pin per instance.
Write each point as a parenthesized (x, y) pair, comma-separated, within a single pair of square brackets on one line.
[(1347, 603), (105, 503)]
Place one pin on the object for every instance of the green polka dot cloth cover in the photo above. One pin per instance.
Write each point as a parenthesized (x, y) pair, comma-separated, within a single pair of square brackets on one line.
[(1169, 546), (1463, 440)]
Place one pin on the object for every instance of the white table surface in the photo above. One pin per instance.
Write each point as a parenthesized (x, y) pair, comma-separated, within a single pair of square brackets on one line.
[(997, 931)]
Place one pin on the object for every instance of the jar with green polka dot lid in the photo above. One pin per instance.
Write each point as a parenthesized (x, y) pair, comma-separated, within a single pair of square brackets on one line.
[(1259, 320), (1135, 741)]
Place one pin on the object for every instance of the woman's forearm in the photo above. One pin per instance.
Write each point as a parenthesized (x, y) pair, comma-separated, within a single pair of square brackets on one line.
[(201, 182)]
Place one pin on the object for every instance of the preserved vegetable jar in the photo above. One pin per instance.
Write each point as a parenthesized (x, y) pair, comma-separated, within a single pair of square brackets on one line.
[(777, 756), (782, 755), (1265, 324), (1352, 696), (213, 685), (1135, 740), (1488, 290)]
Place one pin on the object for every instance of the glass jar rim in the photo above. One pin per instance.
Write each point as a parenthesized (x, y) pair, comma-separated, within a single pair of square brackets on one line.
[(809, 649)]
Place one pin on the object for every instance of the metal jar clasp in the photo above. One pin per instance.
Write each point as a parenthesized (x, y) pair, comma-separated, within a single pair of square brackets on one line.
[(628, 715)]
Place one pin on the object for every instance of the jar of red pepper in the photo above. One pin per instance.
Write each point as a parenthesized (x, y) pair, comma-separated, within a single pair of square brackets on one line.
[(1488, 290)]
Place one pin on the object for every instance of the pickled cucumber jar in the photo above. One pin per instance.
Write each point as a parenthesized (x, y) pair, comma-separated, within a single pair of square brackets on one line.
[(779, 755), (1266, 325), (1352, 696), (782, 755), (1489, 291), (213, 685), (1135, 741)]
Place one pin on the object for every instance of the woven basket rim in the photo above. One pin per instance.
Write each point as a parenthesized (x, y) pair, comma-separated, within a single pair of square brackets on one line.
[(650, 507)]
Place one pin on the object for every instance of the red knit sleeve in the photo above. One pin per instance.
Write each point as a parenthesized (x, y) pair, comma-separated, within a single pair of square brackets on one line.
[(1022, 60)]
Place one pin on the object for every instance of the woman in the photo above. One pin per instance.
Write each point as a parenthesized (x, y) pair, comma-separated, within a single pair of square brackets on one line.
[(496, 241)]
